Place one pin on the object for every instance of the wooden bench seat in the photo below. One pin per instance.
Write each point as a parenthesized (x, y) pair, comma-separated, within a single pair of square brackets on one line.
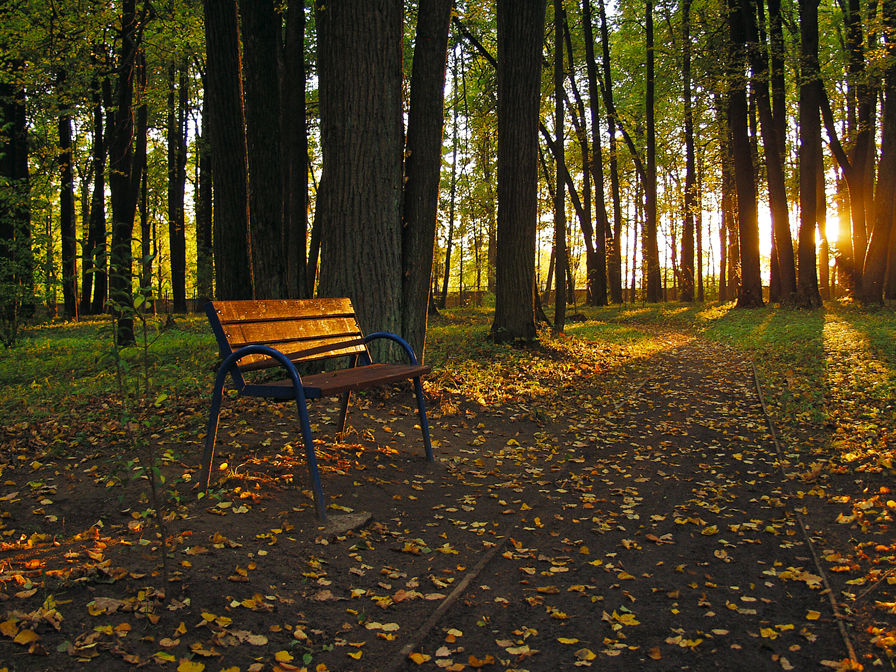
[(255, 335)]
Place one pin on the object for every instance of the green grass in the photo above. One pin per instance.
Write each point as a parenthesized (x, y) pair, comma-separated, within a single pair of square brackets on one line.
[(830, 370)]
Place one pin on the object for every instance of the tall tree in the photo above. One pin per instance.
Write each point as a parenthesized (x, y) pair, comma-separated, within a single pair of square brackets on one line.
[(227, 139), (614, 253), (560, 160), (773, 146), (178, 97), (359, 199), (603, 231), (520, 35), (16, 261), (67, 216), (124, 175), (261, 28), (686, 291), (810, 143), (93, 283), (423, 166), (294, 134), (653, 290), (880, 245), (750, 290)]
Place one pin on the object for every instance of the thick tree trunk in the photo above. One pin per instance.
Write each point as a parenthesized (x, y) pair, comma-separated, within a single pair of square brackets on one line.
[(750, 290), (205, 271), (260, 32), (124, 180), (874, 275), (359, 200), (520, 34), (423, 167), (177, 179), (773, 146), (93, 269), (295, 152), (227, 138), (810, 141)]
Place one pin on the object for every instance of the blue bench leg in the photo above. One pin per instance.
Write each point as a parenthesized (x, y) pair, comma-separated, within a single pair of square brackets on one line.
[(208, 454), (424, 425), (320, 506)]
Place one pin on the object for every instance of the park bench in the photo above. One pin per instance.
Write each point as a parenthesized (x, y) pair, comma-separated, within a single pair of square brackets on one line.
[(254, 335)]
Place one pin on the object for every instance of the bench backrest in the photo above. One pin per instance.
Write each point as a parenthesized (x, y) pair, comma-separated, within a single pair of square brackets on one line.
[(304, 329)]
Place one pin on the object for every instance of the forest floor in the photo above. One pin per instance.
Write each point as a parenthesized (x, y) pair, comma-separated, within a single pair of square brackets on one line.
[(631, 513)]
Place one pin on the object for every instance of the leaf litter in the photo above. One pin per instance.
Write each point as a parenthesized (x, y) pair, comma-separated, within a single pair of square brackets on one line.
[(635, 513)]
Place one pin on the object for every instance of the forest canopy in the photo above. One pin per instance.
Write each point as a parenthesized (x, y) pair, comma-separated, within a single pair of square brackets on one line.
[(164, 153)]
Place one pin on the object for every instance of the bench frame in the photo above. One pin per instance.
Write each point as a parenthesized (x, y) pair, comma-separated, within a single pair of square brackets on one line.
[(256, 335)]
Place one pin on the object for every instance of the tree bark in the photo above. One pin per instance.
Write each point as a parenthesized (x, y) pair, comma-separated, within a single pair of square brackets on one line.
[(295, 152), (810, 142), (178, 96), (423, 167), (205, 270), (750, 290), (227, 138), (874, 274), (686, 274), (560, 160), (67, 218), (603, 232), (651, 248), (520, 34), (260, 31), (124, 179), (359, 199)]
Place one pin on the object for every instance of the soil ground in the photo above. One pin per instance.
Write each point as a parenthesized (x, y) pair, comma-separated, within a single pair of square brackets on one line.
[(643, 518)]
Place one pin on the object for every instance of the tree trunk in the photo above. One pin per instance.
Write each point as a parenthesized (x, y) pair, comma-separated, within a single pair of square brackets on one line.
[(603, 232), (295, 152), (261, 26), (614, 251), (124, 179), (67, 219), (810, 141), (520, 34), (205, 271), (686, 274), (651, 248), (773, 146), (177, 179), (359, 199), (560, 160), (750, 291), (874, 275), (423, 167), (227, 138)]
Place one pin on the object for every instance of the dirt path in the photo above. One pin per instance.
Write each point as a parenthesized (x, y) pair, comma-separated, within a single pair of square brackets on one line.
[(667, 540)]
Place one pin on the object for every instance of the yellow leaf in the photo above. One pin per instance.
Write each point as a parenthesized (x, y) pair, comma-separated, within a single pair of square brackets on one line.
[(26, 637), (712, 529), (9, 628), (283, 656), (585, 654), (418, 657), (190, 666), (812, 615), (567, 640), (355, 654)]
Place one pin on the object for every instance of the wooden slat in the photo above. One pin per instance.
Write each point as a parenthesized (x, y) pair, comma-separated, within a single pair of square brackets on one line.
[(331, 383), (240, 311), (291, 326)]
